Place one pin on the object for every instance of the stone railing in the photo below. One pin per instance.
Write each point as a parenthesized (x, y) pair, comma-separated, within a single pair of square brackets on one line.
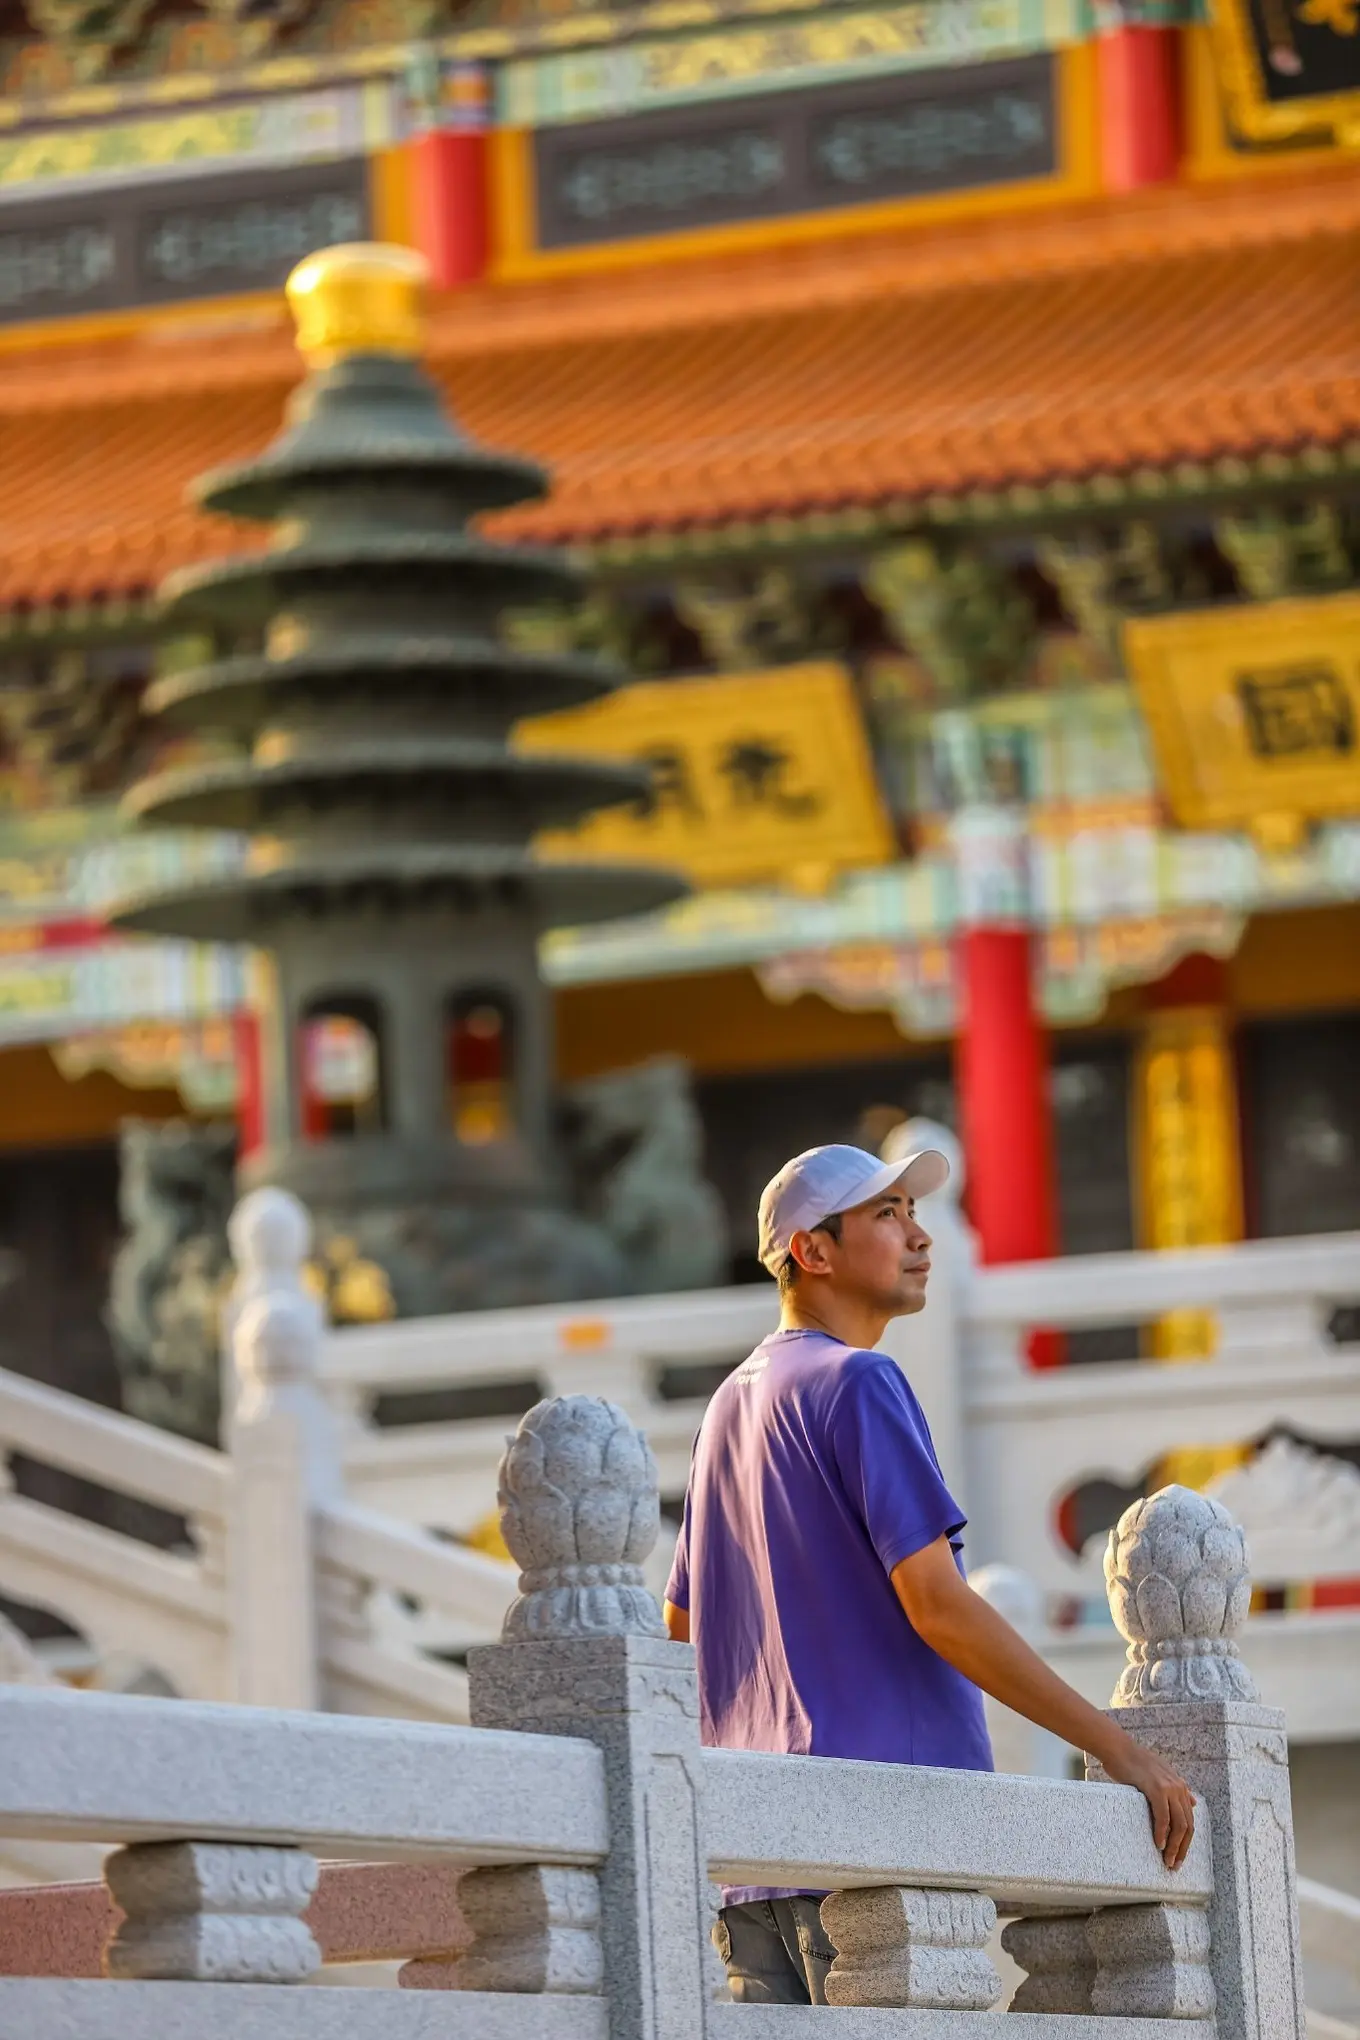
[(1014, 1443), (314, 1563), (279, 1589), (586, 1822)]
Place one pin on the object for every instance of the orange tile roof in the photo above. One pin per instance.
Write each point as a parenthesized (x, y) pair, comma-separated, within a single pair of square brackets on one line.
[(1177, 327)]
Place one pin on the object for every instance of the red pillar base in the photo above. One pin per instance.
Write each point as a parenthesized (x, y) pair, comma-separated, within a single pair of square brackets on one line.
[(1138, 82), (1004, 1109)]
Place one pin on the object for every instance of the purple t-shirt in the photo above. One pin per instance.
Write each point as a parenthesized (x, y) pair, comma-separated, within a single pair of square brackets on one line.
[(813, 1475)]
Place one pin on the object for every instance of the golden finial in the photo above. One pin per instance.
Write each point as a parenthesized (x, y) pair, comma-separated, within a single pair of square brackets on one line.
[(363, 297)]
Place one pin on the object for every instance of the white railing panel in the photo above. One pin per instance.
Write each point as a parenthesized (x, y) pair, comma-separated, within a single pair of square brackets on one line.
[(1033, 1844), (366, 1678), (861, 2022), (1095, 1289), (464, 1584), (100, 1767), (52, 2009), (1330, 1920), (41, 1539), (126, 1598), (1032, 1438), (79, 1437), (609, 1337), (444, 1475)]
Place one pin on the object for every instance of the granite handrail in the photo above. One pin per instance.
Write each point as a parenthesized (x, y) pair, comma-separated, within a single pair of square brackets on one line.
[(122, 1769), (1032, 1844)]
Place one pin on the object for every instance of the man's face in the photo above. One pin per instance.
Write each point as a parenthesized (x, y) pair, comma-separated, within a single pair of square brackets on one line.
[(883, 1254)]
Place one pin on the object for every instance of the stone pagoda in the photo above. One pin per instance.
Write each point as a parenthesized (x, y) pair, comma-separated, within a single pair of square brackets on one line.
[(359, 672)]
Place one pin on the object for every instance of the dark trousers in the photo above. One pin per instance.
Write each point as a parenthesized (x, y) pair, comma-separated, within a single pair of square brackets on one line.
[(775, 1951)]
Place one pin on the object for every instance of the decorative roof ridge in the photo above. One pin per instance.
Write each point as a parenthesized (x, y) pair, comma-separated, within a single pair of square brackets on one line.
[(1155, 227)]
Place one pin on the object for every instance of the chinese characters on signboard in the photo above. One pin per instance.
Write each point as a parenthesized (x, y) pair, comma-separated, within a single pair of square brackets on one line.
[(167, 243), (1290, 68), (762, 776), (1291, 711), (1254, 711), (778, 154)]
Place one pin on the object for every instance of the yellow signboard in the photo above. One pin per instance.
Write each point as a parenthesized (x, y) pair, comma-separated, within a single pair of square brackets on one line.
[(1254, 711), (756, 777)]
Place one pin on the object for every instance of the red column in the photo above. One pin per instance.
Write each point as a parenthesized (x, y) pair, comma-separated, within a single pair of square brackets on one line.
[(1004, 1111), (1003, 1099), (1138, 82), (449, 187), (249, 1083)]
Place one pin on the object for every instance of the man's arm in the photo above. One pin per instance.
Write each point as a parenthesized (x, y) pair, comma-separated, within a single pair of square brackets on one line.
[(677, 1621), (945, 1612)]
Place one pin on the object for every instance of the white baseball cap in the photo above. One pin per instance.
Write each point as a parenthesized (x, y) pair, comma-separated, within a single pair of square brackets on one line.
[(825, 1180)]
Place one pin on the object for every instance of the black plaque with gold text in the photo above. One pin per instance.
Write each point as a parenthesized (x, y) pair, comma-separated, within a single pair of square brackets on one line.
[(773, 155)]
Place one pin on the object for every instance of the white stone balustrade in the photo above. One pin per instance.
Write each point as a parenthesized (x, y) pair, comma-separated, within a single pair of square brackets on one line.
[(318, 1568), (1013, 1443), (589, 1822)]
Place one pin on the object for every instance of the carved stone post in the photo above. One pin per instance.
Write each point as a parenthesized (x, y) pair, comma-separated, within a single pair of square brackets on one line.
[(284, 1459), (210, 1912), (1179, 1586), (585, 1654)]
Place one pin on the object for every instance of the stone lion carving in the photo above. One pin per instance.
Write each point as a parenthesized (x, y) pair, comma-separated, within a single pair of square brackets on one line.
[(171, 1273), (636, 1144)]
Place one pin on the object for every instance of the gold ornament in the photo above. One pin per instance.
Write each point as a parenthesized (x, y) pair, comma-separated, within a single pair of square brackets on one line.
[(362, 297)]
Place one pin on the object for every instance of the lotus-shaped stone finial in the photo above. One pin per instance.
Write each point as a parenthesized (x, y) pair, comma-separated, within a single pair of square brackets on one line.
[(579, 1513), (1179, 1583)]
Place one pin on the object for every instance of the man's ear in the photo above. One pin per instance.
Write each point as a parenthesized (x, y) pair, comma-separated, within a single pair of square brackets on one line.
[(808, 1249)]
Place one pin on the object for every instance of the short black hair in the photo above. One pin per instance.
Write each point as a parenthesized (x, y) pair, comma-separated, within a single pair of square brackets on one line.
[(788, 1273)]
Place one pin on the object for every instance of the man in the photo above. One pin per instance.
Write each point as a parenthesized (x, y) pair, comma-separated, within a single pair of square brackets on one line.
[(819, 1570)]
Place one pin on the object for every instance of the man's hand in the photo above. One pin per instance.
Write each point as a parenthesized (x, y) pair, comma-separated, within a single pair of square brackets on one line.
[(1169, 1798), (945, 1613)]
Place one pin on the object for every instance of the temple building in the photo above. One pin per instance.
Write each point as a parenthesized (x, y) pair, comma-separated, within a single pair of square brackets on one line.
[(956, 413)]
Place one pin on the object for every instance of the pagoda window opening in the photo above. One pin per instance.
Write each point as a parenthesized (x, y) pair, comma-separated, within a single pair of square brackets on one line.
[(480, 1067), (343, 1084)]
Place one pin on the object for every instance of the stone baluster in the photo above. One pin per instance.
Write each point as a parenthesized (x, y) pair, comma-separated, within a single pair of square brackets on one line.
[(1176, 1571), (535, 1927), (284, 1458), (1059, 1961), (585, 1654), (905, 1948), (1151, 1962), (209, 1912)]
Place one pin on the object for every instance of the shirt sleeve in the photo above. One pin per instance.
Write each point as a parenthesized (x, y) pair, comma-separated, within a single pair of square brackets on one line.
[(883, 1450), (677, 1586)]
